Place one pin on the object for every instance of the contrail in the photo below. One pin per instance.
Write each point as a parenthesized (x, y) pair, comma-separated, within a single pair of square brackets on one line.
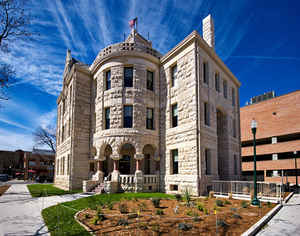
[(266, 58)]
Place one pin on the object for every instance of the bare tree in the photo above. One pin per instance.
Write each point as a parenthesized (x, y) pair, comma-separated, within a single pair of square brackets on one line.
[(14, 24), (14, 21), (45, 136)]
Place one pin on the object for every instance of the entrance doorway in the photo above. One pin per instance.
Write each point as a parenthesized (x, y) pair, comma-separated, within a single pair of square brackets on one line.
[(124, 165)]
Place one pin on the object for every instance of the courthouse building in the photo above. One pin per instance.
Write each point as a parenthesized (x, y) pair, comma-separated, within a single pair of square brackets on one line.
[(278, 138), (142, 121)]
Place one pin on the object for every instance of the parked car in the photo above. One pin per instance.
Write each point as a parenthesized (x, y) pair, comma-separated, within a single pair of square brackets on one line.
[(4, 177), (41, 179)]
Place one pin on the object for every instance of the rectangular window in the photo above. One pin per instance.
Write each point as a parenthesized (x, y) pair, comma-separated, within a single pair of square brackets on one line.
[(235, 165), (206, 114), (174, 158), (234, 128), (150, 80), (206, 73), (174, 115), (150, 118), (217, 82), (107, 118), (233, 96), (108, 80), (225, 88), (127, 116), (128, 77), (207, 162), (174, 75), (92, 167)]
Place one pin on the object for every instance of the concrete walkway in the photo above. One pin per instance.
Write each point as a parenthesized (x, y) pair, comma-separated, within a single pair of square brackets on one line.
[(286, 222), (20, 214)]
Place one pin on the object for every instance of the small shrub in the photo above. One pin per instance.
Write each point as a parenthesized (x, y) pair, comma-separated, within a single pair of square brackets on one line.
[(101, 217), (159, 212), (200, 207), (244, 204), (205, 211), (226, 202), (221, 223), (156, 202), (196, 219), (219, 203), (189, 213), (236, 216), (142, 226), (142, 206), (155, 228), (184, 227), (178, 197), (110, 205), (132, 216), (94, 221), (122, 222), (123, 208), (187, 197)]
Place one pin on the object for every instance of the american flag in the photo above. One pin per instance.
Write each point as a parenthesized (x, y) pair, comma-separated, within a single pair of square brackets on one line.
[(132, 22)]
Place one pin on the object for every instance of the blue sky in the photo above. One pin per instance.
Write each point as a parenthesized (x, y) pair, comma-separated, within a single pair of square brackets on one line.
[(258, 41)]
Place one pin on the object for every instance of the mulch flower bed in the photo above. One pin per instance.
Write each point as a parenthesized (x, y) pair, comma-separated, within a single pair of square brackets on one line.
[(173, 217), (3, 189)]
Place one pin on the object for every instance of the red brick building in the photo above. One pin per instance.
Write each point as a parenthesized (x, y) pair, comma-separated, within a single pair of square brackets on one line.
[(278, 138)]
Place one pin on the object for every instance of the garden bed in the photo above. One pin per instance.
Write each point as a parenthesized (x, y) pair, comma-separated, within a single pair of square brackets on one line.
[(3, 189), (173, 217)]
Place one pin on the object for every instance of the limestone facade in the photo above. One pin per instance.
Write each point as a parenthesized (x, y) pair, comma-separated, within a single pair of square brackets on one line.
[(183, 127)]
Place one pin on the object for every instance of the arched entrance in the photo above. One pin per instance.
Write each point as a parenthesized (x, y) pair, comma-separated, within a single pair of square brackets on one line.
[(148, 165), (107, 163), (126, 163)]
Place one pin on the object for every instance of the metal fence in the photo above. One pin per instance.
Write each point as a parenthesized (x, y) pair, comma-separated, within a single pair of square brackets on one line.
[(246, 189)]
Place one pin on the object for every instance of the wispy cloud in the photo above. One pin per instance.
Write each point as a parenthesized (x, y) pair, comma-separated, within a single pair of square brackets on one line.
[(11, 140), (266, 57), (15, 124)]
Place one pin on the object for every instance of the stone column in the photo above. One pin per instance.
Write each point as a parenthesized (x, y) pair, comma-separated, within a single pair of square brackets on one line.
[(116, 173), (157, 164), (139, 176), (99, 175)]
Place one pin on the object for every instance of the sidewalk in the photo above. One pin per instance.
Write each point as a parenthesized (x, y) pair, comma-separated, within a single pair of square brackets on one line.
[(21, 214), (286, 221)]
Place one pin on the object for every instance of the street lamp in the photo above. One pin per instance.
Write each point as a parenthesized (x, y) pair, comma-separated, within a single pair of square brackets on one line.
[(255, 201)]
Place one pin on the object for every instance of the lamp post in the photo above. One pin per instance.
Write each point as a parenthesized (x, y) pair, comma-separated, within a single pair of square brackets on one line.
[(255, 201)]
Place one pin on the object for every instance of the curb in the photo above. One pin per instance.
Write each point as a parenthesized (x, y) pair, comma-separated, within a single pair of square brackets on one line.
[(88, 229), (261, 223)]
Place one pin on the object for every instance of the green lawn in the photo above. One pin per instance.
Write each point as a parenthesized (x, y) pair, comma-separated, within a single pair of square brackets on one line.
[(60, 218), (45, 190)]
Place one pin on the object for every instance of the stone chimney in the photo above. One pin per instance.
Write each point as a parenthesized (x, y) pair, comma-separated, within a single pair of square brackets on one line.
[(208, 31)]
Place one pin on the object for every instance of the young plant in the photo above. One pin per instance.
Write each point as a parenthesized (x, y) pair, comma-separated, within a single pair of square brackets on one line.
[(156, 202), (187, 197), (205, 211), (244, 204), (178, 197), (123, 208), (219, 203), (200, 207), (226, 202), (159, 212), (189, 213)]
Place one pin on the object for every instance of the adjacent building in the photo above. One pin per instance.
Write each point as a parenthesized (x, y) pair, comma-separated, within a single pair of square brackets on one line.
[(142, 121), (278, 138), (27, 165)]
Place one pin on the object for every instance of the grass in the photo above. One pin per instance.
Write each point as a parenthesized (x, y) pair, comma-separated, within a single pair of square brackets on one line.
[(45, 190), (60, 218)]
